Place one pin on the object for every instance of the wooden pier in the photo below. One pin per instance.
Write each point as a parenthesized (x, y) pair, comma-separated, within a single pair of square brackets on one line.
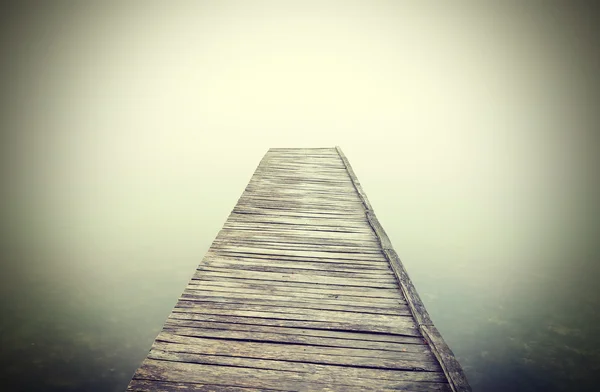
[(300, 291)]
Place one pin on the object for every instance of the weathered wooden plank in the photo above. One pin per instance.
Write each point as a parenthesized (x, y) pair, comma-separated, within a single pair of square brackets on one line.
[(301, 253), (303, 237), (256, 334), (296, 236), (294, 241), (294, 300), (201, 297), (299, 256), (273, 228), (303, 168), (137, 385), (290, 296), (326, 277), (307, 207), (270, 303), (312, 231), (259, 244), (255, 378), (423, 361), (213, 339), (297, 219), (308, 290), (354, 338), (266, 267), (280, 284), (292, 157), (298, 184), (296, 213), (315, 179), (263, 319), (306, 193), (368, 269), (321, 204), (203, 272), (300, 177), (382, 321), (308, 189), (354, 227), (333, 164), (297, 367), (310, 269), (376, 263)]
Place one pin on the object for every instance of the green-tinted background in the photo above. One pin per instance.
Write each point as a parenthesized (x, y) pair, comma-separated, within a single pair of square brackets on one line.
[(130, 129)]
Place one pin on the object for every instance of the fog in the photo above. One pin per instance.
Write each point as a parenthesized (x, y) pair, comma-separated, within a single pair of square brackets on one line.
[(130, 129)]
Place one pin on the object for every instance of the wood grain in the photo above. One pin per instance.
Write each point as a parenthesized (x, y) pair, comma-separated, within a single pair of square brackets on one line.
[(300, 291)]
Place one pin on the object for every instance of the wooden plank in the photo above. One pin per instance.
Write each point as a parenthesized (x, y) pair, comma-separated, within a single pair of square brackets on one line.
[(378, 256), (283, 296), (297, 367), (300, 353), (297, 220), (308, 290), (296, 285), (303, 236), (169, 386), (318, 204), (289, 239), (296, 213), (315, 178), (355, 338), (381, 297), (343, 303), (160, 370), (221, 299), (308, 189), (263, 319), (299, 212), (306, 193), (203, 272), (297, 255), (256, 335), (368, 269), (383, 322), (290, 274), (270, 228), (283, 269), (268, 303), (186, 372), (374, 261), (218, 288), (309, 268), (254, 347), (258, 244), (345, 245)]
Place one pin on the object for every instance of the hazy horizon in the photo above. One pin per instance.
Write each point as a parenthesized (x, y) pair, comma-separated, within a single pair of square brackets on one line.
[(130, 129)]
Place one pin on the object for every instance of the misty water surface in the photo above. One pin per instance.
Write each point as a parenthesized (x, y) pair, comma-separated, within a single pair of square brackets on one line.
[(129, 131)]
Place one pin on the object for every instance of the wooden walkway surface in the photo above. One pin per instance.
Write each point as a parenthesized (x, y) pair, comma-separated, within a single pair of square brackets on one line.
[(300, 291)]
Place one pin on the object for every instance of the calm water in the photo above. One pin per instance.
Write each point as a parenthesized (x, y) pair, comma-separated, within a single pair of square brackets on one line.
[(84, 300), (128, 134)]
